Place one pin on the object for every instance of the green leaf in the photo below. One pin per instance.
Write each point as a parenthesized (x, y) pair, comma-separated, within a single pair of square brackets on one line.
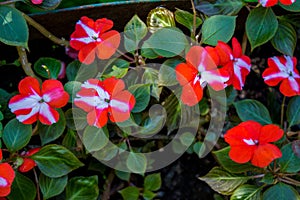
[(252, 110), (225, 7), (22, 188), (45, 5), (222, 156), (80, 188), (261, 26), (94, 139), (285, 38), (51, 133), (167, 75), (72, 87), (218, 28), (70, 140), (289, 162), (107, 153), (55, 160), (14, 30), (72, 70), (125, 176), (293, 111), (295, 7), (296, 147), (16, 135), (136, 162), (167, 42), (160, 18), (141, 93), (116, 72), (51, 187), (152, 182), (222, 181), (147, 51), (247, 192), (130, 193), (281, 191), (76, 119), (148, 195), (47, 67), (187, 19)]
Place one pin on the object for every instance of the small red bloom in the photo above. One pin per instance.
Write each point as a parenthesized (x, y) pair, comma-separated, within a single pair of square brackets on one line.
[(282, 69), (103, 99), (249, 141), (7, 176), (36, 2), (28, 163), (92, 37), (269, 3), (35, 103), (199, 70)]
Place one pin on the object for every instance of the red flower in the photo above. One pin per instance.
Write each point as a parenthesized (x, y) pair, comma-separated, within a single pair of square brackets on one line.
[(92, 38), (28, 163), (36, 2), (269, 3), (283, 69), (103, 99), (249, 141), (35, 103), (198, 71), (7, 176), (237, 64)]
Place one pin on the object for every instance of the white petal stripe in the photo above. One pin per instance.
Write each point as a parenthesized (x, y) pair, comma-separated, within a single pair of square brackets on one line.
[(3, 182), (293, 84), (277, 75), (45, 111), (101, 92), (33, 112), (89, 31), (25, 103), (119, 105)]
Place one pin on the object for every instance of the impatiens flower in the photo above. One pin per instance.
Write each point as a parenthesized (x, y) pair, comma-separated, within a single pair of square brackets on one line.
[(237, 64), (250, 141), (7, 176), (103, 100), (93, 37), (198, 71), (28, 163), (36, 2), (282, 69), (268, 3), (35, 103)]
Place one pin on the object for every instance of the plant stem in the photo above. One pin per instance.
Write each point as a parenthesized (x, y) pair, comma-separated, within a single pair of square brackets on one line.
[(45, 32), (37, 185), (244, 42), (125, 56), (289, 181), (257, 176), (108, 182), (282, 112), (194, 20)]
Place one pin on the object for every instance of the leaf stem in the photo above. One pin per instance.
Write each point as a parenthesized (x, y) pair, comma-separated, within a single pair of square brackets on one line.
[(244, 42), (125, 56), (194, 20), (282, 111), (37, 185), (45, 32), (289, 181)]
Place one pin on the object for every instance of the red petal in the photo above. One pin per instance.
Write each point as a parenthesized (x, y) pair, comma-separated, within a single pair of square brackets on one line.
[(185, 73), (29, 86), (224, 51), (48, 115), (113, 85), (108, 46), (268, 3), (287, 2), (1, 157), (236, 47), (102, 25), (33, 151), (7, 172), (86, 54), (241, 154), (270, 133), (4, 191), (191, 94), (273, 76), (200, 59), (27, 165), (54, 93), (265, 154), (97, 118), (216, 78), (290, 87), (213, 54)]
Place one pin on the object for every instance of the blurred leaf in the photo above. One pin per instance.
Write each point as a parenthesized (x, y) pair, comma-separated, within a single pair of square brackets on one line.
[(289, 162), (130, 193), (16, 135), (247, 192), (46, 4), (218, 28), (225, 7), (72, 87), (22, 188), (281, 191), (79, 188), (107, 153), (261, 26), (94, 139), (14, 29), (147, 51), (141, 93), (295, 7), (293, 19), (49, 156), (152, 182), (51, 187), (72, 70), (186, 139), (187, 19), (47, 67), (76, 118), (136, 162), (116, 72), (293, 111)]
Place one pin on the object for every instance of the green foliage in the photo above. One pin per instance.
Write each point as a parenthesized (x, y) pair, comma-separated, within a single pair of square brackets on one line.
[(94, 139), (72, 70), (130, 193), (289, 162), (225, 7), (293, 111), (136, 162), (79, 188), (141, 92), (51, 187), (22, 188), (46, 4), (152, 182), (47, 67), (295, 7), (281, 191), (247, 192), (187, 19)]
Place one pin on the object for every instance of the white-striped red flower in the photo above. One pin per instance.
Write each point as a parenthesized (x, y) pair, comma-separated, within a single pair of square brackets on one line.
[(35, 103), (103, 100), (7, 176), (268, 3), (94, 38), (282, 69), (237, 64), (199, 70)]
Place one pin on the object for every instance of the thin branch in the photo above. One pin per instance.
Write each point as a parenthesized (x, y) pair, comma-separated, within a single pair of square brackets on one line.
[(282, 112), (108, 182), (244, 42), (194, 20), (37, 185)]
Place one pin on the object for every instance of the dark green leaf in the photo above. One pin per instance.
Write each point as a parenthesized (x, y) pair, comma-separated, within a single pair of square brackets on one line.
[(296, 147), (152, 182), (281, 191), (72, 70), (14, 30), (16, 135), (22, 188), (218, 28), (51, 187), (55, 160), (285, 38), (80, 188), (247, 192), (295, 7), (70, 139), (222, 181), (51, 133), (47, 67), (141, 93), (293, 111), (261, 26), (225, 7), (136, 162), (125, 176), (289, 162), (94, 138), (187, 19), (253, 110), (130, 193)]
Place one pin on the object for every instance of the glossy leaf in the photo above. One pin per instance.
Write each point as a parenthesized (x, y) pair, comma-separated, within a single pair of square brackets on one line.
[(261, 26), (141, 93), (136, 162), (49, 156), (247, 192), (72, 70), (22, 188), (14, 29), (152, 182), (130, 193), (285, 38), (79, 188), (281, 191), (225, 7), (218, 28), (47, 67), (51, 187), (293, 111), (159, 18), (252, 110), (125, 176), (94, 138), (16, 135), (222, 181), (289, 162), (187, 19)]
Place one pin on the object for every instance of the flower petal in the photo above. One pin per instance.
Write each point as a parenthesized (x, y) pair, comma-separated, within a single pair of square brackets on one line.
[(97, 117), (200, 59), (290, 87), (241, 68), (185, 73), (27, 165), (236, 48), (216, 78), (86, 54), (273, 76), (191, 94), (102, 25), (287, 2), (241, 154), (265, 154), (113, 86), (4, 191), (108, 46), (47, 114), (54, 93), (268, 3), (225, 53), (270, 133), (7, 172), (29, 86)]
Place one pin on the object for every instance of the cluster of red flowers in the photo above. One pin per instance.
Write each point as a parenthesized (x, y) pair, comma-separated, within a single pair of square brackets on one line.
[(269, 3)]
